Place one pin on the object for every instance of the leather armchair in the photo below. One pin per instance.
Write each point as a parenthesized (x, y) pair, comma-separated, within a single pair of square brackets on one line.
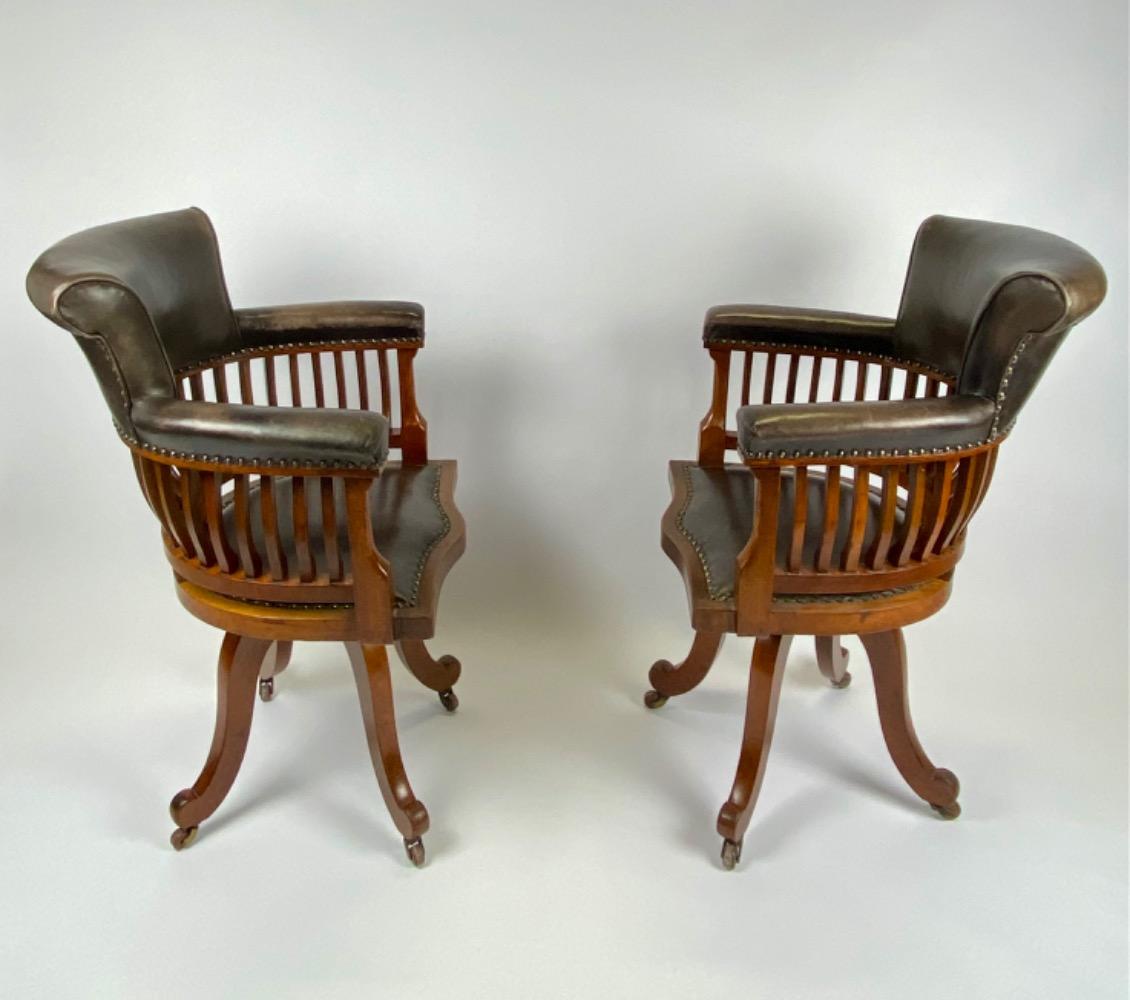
[(862, 448), (263, 441)]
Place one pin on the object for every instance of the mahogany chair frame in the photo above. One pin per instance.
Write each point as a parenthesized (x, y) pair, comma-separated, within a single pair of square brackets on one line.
[(265, 601), (901, 576)]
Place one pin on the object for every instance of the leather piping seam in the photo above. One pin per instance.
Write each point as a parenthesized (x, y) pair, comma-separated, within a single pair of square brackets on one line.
[(265, 349), (993, 438), (911, 366), (433, 543), (1002, 391), (679, 521)]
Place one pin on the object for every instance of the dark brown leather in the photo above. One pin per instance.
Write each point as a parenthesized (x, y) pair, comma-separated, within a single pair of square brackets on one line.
[(718, 519), (879, 426), (143, 297), (264, 435), (408, 521), (320, 321), (786, 326)]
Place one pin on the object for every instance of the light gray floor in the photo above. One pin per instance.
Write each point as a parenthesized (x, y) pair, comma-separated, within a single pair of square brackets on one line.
[(572, 851)]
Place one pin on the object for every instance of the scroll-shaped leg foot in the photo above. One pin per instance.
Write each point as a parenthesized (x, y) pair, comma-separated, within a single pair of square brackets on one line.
[(939, 787), (766, 670), (832, 659), (439, 675), (240, 660), (276, 661), (374, 688), (668, 680)]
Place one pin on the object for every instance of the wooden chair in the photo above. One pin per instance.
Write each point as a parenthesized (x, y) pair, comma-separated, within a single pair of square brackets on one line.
[(866, 447), (261, 439)]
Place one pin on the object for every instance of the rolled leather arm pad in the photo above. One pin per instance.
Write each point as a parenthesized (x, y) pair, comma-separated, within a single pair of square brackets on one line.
[(319, 321), (263, 435), (891, 426), (801, 327)]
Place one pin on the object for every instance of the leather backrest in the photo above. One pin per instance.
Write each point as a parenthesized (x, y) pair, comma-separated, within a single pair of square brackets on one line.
[(143, 297), (990, 303)]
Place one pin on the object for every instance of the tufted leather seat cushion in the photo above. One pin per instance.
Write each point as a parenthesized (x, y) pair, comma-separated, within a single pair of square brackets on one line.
[(408, 521), (718, 519)]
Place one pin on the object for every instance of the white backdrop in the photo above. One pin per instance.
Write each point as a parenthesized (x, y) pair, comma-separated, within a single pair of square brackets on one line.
[(566, 188)]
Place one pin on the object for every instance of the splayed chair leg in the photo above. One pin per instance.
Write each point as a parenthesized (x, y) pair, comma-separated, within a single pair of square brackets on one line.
[(374, 688), (439, 675), (832, 659), (939, 787), (668, 680), (767, 668), (240, 661)]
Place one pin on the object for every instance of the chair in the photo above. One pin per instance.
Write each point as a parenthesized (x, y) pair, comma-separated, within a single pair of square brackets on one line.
[(866, 446), (261, 440)]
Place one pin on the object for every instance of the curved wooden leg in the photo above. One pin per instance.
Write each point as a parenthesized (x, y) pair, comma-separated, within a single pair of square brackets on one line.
[(766, 670), (276, 661), (668, 680), (240, 659), (439, 675), (370, 670), (939, 787), (832, 659)]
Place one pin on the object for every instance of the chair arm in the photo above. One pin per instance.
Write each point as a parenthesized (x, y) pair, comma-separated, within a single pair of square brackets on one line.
[(243, 435), (269, 326), (789, 327), (904, 426)]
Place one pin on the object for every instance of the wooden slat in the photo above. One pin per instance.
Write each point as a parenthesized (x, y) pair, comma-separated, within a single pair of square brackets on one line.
[(860, 503), (910, 390), (319, 386), (268, 509), (249, 559), (831, 519), (932, 387), (295, 380), (860, 381), (168, 500), (210, 484), (191, 503), (246, 391), (814, 382), (148, 490), (334, 568), (196, 383), (747, 375), (790, 384), (888, 508), (304, 556), (362, 380), (770, 377), (838, 383), (912, 519), (800, 519), (941, 489), (220, 382), (885, 381), (272, 384), (963, 492), (386, 391), (339, 379)]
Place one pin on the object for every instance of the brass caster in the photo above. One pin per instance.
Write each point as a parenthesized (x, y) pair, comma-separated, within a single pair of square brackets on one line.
[(952, 811), (183, 837), (415, 851), (843, 682), (653, 699), (267, 689), (731, 853), (449, 701)]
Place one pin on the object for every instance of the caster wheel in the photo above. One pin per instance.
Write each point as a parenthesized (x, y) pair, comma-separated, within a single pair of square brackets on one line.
[(653, 699), (448, 700), (184, 837), (267, 689), (843, 682), (952, 811), (731, 854), (415, 851)]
